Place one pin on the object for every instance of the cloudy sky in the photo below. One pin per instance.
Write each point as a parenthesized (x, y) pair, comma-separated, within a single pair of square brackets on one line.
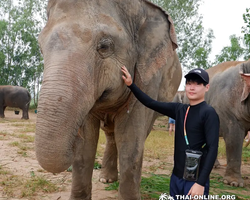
[(225, 18)]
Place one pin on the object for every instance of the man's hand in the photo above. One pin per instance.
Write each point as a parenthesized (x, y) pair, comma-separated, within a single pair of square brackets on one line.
[(196, 189), (126, 77)]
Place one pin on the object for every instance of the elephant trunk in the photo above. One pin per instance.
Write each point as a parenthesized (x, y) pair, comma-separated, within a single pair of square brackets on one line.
[(62, 106)]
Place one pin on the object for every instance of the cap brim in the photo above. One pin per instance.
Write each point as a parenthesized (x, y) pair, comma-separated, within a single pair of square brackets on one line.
[(192, 74)]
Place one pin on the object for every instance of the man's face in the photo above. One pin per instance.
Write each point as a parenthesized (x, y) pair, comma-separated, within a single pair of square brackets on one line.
[(195, 91)]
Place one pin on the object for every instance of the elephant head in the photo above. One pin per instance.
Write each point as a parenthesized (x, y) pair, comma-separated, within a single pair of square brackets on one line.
[(84, 45)]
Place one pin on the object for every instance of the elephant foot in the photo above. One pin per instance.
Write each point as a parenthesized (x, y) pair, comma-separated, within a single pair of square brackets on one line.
[(79, 198), (216, 164), (234, 181), (108, 176)]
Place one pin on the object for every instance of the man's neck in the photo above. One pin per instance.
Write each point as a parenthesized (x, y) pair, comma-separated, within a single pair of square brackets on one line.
[(195, 102)]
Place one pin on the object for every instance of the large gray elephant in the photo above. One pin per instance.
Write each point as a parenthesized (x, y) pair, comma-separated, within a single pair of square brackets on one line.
[(84, 45), (16, 97), (229, 95)]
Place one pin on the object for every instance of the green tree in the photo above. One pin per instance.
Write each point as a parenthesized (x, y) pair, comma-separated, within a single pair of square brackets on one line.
[(239, 47), (233, 52), (246, 32), (193, 41), (20, 58)]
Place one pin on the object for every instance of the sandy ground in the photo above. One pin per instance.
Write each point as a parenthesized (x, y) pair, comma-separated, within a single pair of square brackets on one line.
[(23, 166)]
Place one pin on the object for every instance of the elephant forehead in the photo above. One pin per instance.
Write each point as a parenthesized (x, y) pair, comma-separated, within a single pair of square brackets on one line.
[(110, 21), (84, 34)]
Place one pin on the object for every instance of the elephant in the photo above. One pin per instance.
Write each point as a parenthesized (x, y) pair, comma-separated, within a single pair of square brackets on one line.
[(229, 95), (14, 96), (84, 45), (181, 97)]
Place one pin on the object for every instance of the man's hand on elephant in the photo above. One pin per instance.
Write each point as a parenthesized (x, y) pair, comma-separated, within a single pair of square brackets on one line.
[(126, 77)]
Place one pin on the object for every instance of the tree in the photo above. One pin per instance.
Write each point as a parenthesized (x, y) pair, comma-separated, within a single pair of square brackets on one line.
[(193, 41), (20, 57), (246, 31), (233, 52), (240, 47)]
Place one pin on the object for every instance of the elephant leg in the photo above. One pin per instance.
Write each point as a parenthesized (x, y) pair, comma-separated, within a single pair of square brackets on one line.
[(130, 164), (216, 163), (83, 164), (25, 110), (130, 135), (234, 142), (2, 108), (109, 172)]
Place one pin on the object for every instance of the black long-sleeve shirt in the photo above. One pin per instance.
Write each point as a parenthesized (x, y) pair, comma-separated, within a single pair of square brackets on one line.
[(202, 127)]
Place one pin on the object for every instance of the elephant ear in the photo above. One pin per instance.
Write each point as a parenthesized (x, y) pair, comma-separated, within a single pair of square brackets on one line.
[(245, 74), (156, 41)]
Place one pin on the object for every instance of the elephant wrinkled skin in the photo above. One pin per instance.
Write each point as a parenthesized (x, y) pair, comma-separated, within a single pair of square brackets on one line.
[(16, 97), (85, 44)]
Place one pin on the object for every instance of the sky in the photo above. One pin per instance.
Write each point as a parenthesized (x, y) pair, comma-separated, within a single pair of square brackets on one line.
[(225, 18)]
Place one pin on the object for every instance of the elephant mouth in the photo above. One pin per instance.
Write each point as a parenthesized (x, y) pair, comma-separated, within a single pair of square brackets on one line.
[(104, 95)]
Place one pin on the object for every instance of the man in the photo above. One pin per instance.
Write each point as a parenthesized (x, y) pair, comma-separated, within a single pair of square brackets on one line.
[(171, 123), (201, 125)]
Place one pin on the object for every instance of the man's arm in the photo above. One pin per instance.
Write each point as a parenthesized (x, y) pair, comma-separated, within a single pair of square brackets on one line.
[(212, 125)]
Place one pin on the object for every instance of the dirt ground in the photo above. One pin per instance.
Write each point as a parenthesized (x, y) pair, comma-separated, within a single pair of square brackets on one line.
[(24, 165)]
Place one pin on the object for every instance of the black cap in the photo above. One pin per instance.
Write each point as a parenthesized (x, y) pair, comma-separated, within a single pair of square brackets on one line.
[(200, 72)]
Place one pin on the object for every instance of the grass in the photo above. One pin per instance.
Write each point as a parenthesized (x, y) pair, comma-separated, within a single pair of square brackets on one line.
[(246, 154), (17, 186), (37, 184), (151, 187), (158, 145)]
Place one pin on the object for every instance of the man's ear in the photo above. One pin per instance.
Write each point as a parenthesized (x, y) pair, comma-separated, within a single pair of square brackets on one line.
[(207, 87)]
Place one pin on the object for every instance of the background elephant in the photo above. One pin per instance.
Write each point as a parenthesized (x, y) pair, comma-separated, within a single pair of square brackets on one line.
[(84, 45), (14, 96), (229, 95)]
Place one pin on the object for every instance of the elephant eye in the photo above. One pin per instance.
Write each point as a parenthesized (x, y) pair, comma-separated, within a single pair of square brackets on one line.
[(105, 47)]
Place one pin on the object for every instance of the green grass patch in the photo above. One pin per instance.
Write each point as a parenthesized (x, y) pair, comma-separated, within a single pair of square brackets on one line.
[(97, 165), (246, 154), (151, 186), (38, 184), (16, 186)]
